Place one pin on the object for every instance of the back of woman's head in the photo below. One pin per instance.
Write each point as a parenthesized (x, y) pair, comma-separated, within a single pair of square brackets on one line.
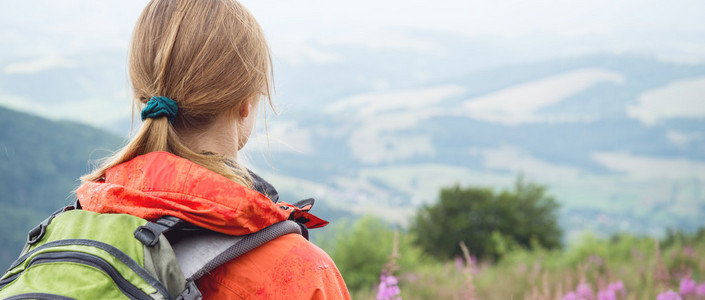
[(209, 56), (204, 54)]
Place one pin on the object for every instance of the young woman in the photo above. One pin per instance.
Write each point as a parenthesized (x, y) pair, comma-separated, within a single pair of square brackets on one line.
[(199, 69)]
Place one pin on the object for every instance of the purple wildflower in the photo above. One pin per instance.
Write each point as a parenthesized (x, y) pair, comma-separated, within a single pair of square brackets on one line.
[(606, 295), (700, 289), (584, 291), (618, 287), (388, 289), (570, 296), (687, 286), (669, 295), (459, 263)]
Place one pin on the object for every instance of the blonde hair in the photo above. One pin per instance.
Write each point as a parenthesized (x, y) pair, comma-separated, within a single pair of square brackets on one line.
[(207, 55)]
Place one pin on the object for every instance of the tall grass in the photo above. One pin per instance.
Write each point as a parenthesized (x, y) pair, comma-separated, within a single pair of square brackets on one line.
[(621, 267), (627, 267)]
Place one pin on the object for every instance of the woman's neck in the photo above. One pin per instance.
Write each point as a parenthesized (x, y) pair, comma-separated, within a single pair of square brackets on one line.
[(221, 138)]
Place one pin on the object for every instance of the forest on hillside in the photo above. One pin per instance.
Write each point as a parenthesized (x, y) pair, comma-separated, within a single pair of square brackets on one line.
[(40, 162)]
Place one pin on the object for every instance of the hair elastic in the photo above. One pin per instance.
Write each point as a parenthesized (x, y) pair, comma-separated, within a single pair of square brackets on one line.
[(159, 106)]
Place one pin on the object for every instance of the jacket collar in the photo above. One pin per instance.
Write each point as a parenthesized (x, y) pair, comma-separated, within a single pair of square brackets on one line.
[(160, 183)]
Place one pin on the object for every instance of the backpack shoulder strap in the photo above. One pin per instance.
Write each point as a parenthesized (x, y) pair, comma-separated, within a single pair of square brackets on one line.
[(200, 254)]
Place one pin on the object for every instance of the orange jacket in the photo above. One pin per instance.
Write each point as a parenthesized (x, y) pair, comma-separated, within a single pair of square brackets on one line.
[(160, 183)]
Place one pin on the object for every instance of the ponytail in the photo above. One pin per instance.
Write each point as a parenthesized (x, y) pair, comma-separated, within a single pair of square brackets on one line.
[(208, 56)]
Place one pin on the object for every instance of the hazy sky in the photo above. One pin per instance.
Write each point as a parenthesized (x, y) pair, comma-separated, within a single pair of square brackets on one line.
[(675, 28)]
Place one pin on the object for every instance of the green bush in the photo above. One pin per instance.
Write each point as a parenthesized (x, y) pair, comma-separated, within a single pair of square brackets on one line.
[(360, 249), (489, 223)]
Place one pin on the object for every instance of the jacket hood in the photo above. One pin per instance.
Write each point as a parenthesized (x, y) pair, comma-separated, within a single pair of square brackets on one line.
[(159, 183)]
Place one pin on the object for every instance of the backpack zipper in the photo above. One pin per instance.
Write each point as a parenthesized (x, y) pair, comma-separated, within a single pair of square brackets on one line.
[(123, 284), (41, 296), (115, 252), (7, 280)]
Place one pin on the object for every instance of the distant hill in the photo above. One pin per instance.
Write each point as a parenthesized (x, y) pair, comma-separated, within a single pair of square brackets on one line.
[(618, 139), (40, 162)]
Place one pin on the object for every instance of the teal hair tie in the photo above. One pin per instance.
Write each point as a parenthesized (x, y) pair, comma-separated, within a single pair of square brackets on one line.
[(159, 106)]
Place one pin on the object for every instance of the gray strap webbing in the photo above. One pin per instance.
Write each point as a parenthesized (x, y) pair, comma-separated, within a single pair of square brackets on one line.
[(202, 253)]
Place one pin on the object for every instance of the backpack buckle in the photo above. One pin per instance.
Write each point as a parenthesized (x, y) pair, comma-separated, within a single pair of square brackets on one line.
[(38, 232), (190, 293), (149, 233)]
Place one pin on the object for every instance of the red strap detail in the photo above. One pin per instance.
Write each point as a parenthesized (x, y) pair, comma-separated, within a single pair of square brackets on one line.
[(301, 216)]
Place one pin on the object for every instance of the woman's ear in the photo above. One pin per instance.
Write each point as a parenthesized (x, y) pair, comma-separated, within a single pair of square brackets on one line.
[(245, 108)]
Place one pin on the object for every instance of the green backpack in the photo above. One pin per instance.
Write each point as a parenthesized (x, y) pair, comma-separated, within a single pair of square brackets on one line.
[(78, 254)]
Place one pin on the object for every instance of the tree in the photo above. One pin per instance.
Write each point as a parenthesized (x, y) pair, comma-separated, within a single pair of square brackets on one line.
[(487, 222)]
